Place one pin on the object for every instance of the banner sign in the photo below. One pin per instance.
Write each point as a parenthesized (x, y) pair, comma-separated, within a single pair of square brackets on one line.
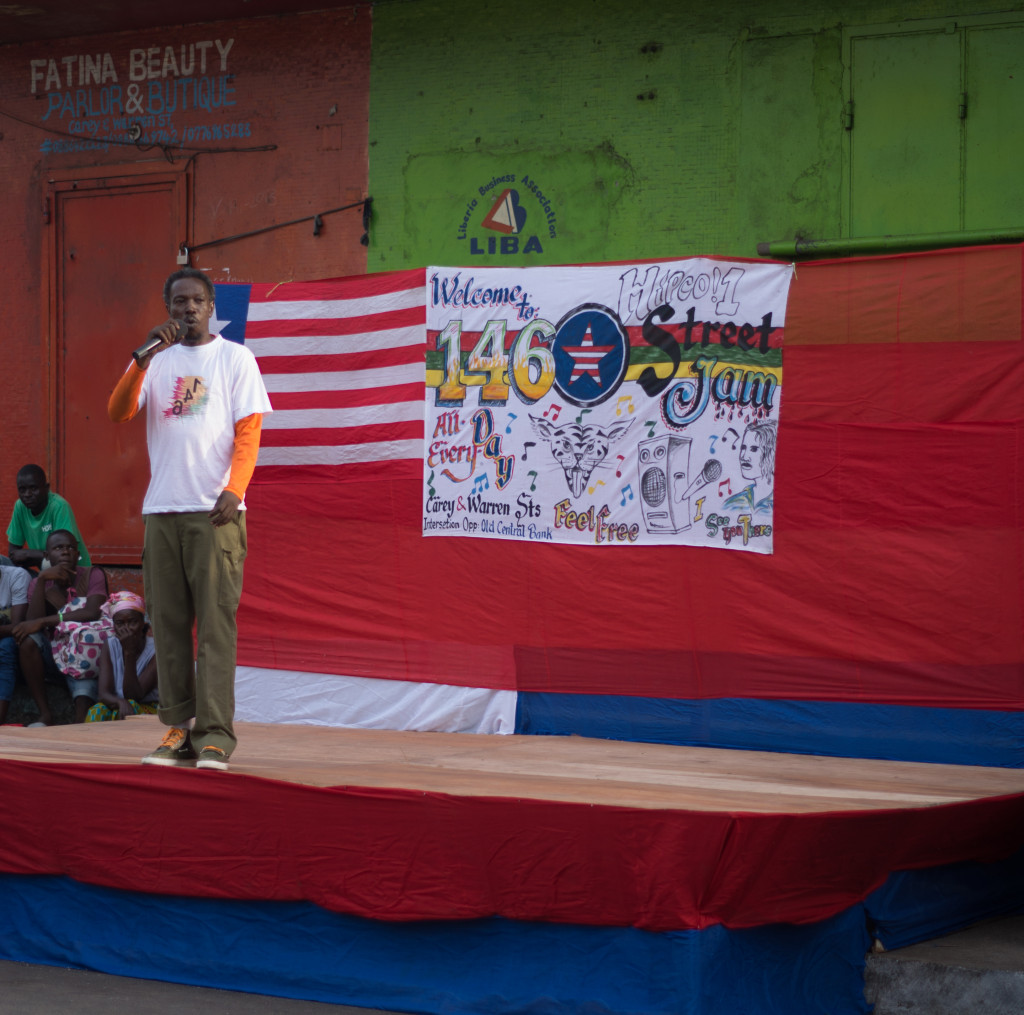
[(609, 405)]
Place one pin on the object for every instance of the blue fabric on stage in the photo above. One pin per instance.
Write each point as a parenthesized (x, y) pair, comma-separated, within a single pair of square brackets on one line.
[(500, 966), (494, 966), (919, 905), (842, 729)]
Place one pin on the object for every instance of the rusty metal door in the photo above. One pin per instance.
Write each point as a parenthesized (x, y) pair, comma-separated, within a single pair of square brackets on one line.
[(116, 240)]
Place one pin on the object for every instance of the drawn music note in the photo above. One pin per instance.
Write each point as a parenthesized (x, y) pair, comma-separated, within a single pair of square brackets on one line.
[(629, 400), (618, 471), (554, 409), (526, 446), (725, 482), (579, 418), (591, 489), (481, 479), (626, 489), (735, 438), (652, 425), (430, 483), (533, 482), (714, 437), (511, 416)]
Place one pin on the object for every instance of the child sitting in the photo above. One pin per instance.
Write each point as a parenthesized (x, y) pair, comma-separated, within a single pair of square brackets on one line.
[(127, 680)]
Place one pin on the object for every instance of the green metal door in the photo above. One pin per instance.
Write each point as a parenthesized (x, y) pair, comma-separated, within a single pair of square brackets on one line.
[(994, 125), (905, 138)]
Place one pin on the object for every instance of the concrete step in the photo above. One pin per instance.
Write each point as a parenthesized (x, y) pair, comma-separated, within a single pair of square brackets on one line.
[(978, 971)]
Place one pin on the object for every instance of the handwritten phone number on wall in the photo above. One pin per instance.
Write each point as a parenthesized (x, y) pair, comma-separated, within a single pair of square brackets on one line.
[(60, 145), (94, 140), (216, 131)]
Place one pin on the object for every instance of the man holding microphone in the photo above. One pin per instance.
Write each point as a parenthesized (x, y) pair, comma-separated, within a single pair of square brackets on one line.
[(204, 401)]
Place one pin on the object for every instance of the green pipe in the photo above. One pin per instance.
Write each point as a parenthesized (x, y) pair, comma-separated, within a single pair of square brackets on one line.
[(786, 250)]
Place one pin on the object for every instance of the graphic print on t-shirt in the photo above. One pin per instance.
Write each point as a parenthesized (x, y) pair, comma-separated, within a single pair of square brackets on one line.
[(189, 398)]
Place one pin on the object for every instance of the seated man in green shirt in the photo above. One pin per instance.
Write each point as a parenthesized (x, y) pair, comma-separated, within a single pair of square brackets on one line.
[(37, 513)]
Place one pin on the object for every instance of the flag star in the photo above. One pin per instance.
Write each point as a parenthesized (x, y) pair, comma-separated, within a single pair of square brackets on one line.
[(217, 326), (587, 357)]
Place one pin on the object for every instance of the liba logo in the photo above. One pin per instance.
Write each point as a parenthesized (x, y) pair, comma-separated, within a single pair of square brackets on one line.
[(519, 214), (507, 215)]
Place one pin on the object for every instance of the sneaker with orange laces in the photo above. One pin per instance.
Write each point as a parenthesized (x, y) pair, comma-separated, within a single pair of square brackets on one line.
[(213, 757), (175, 749)]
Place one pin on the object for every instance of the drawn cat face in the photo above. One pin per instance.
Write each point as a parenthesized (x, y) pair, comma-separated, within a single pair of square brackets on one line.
[(578, 449)]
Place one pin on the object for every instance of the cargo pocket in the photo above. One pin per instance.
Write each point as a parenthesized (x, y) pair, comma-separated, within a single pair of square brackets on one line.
[(231, 563)]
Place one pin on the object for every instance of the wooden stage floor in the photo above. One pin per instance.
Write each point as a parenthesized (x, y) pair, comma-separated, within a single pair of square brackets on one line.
[(565, 769)]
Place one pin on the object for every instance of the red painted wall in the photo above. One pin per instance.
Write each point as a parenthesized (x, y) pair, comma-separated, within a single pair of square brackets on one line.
[(297, 82)]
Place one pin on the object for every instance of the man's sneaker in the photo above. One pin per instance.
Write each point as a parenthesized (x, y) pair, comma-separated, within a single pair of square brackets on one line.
[(212, 757), (175, 749)]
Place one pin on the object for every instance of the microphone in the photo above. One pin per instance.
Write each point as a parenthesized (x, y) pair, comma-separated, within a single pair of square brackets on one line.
[(148, 346), (711, 471)]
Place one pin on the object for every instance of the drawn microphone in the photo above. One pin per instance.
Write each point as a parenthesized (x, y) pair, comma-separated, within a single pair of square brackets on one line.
[(147, 347), (711, 471)]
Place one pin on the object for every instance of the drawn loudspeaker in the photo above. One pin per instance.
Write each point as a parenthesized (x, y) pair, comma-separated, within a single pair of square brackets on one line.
[(664, 477)]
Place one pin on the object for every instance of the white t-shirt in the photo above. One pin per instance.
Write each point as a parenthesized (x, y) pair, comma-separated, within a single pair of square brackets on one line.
[(193, 396), (13, 586)]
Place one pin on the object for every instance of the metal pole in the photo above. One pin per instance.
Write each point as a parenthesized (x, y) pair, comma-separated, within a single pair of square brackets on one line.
[(786, 250)]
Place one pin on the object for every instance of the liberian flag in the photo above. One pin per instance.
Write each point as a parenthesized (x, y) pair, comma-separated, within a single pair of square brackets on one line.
[(886, 624), (343, 363), (340, 459)]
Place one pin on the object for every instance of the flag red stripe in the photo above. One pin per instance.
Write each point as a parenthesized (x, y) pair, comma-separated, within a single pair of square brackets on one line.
[(317, 437), (407, 317), (282, 400), (339, 362), (859, 611), (347, 287), (359, 473)]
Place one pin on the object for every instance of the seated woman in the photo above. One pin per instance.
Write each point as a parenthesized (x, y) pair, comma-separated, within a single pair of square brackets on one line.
[(127, 681), (63, 592)]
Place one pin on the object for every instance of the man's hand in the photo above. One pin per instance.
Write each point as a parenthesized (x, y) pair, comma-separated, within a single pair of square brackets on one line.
[(225, 509), (167, 334), (62, 574), (19, 632)]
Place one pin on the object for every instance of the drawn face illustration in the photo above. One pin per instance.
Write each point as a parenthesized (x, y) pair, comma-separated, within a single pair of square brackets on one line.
[(757, 452), (750, 455)]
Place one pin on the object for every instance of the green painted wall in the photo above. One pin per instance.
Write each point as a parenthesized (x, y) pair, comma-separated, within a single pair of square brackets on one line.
[(652, 129)]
